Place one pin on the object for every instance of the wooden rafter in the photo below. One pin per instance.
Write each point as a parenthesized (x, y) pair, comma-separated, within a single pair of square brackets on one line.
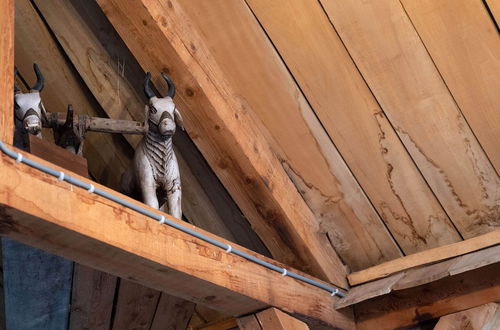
[(6, 70), (96, 232), (226, 133)]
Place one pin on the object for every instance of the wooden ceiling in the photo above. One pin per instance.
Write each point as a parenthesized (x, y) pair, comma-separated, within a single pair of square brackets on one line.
[(320, 132)]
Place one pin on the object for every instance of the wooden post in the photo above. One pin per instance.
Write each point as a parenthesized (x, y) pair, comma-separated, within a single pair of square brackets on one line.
[(7, 71)]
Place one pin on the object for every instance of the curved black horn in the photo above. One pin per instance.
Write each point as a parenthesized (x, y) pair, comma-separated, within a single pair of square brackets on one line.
[(147, 86), (170, 83), (39, 79), (16, 88)]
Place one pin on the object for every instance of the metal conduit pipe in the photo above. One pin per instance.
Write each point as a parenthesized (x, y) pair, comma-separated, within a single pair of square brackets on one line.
[(228, 248)]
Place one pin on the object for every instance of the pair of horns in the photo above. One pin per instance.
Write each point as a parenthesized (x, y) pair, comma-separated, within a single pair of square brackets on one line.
[(40, 80), (149, 91)]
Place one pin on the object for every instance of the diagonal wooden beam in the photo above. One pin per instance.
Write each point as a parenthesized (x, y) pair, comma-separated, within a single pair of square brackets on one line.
[(161, 37), (39, 210)]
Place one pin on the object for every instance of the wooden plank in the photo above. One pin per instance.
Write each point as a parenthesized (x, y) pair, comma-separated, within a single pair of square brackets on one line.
[(135, 306), (227, 134), (91, 299), (107, 154), (246, 56), (356, 123), (425, 257), (101, 234), (479, 318), (421, 275), (464, 44), (95, 49), (494, 7), (249, 322), (7, 71), (449, 295), (172, 313), (229, 324), (394, 62), (274, 319)]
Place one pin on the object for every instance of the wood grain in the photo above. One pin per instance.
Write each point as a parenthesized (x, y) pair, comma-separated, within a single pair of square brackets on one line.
[(227, 134), (135, 306), (425, 257), (7, 71), (259, 77), (91, 299), (358, 127), (274, 319), (392, 59), (101, 234), (249, 322), (483, 317), (464, 44)]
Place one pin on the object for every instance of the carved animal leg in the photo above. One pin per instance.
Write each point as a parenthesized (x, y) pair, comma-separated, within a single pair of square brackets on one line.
[(174, 197), (148, 189)]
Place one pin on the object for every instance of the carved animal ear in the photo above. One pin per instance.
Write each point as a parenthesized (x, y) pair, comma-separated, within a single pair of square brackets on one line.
[(178, 119)]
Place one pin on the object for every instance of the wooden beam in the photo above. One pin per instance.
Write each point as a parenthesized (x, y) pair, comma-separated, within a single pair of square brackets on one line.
[(482, 317), (99, 233), (402, 76), (229, 324), (274, 319), (448, 295), (249, 322), (466, 57), (7, 71), (227, 134), (425, 257), (246, 56), (421, 275), (332, 84)]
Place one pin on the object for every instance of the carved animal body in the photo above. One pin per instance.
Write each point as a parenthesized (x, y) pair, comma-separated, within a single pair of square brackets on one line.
[(154, 171), (28, 107)]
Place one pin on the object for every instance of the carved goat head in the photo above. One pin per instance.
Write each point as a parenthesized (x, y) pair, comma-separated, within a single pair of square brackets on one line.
[(28, 107), (161, 112)]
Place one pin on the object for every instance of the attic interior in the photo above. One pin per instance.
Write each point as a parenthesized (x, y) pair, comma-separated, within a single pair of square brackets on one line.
[(355, 143)]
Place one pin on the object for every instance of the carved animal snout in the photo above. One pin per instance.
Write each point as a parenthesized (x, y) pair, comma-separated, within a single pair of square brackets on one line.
[(166, 126), (32, 122)]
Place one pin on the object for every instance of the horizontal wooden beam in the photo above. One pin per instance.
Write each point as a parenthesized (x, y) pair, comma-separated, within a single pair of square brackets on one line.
[(421, 275), (425, 257), (448, 295), (41, 211), (483, 317)]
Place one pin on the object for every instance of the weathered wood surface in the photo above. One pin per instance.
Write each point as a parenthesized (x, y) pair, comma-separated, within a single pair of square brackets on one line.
[(172, 313), (7, 71), (249, 322), (356, 123), (91, 299), (226, 133), (425, 257), (101, 234), (422, 275), (399, 71), (464, 44), (433, 300), (109, 156), (486, 317), (264, 82), (229, 324), (274, 319), (135, 306), (111, 72)]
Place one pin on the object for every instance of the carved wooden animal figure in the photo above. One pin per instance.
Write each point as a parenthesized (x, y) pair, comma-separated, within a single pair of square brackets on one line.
[(154, 169), (28, 107)]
